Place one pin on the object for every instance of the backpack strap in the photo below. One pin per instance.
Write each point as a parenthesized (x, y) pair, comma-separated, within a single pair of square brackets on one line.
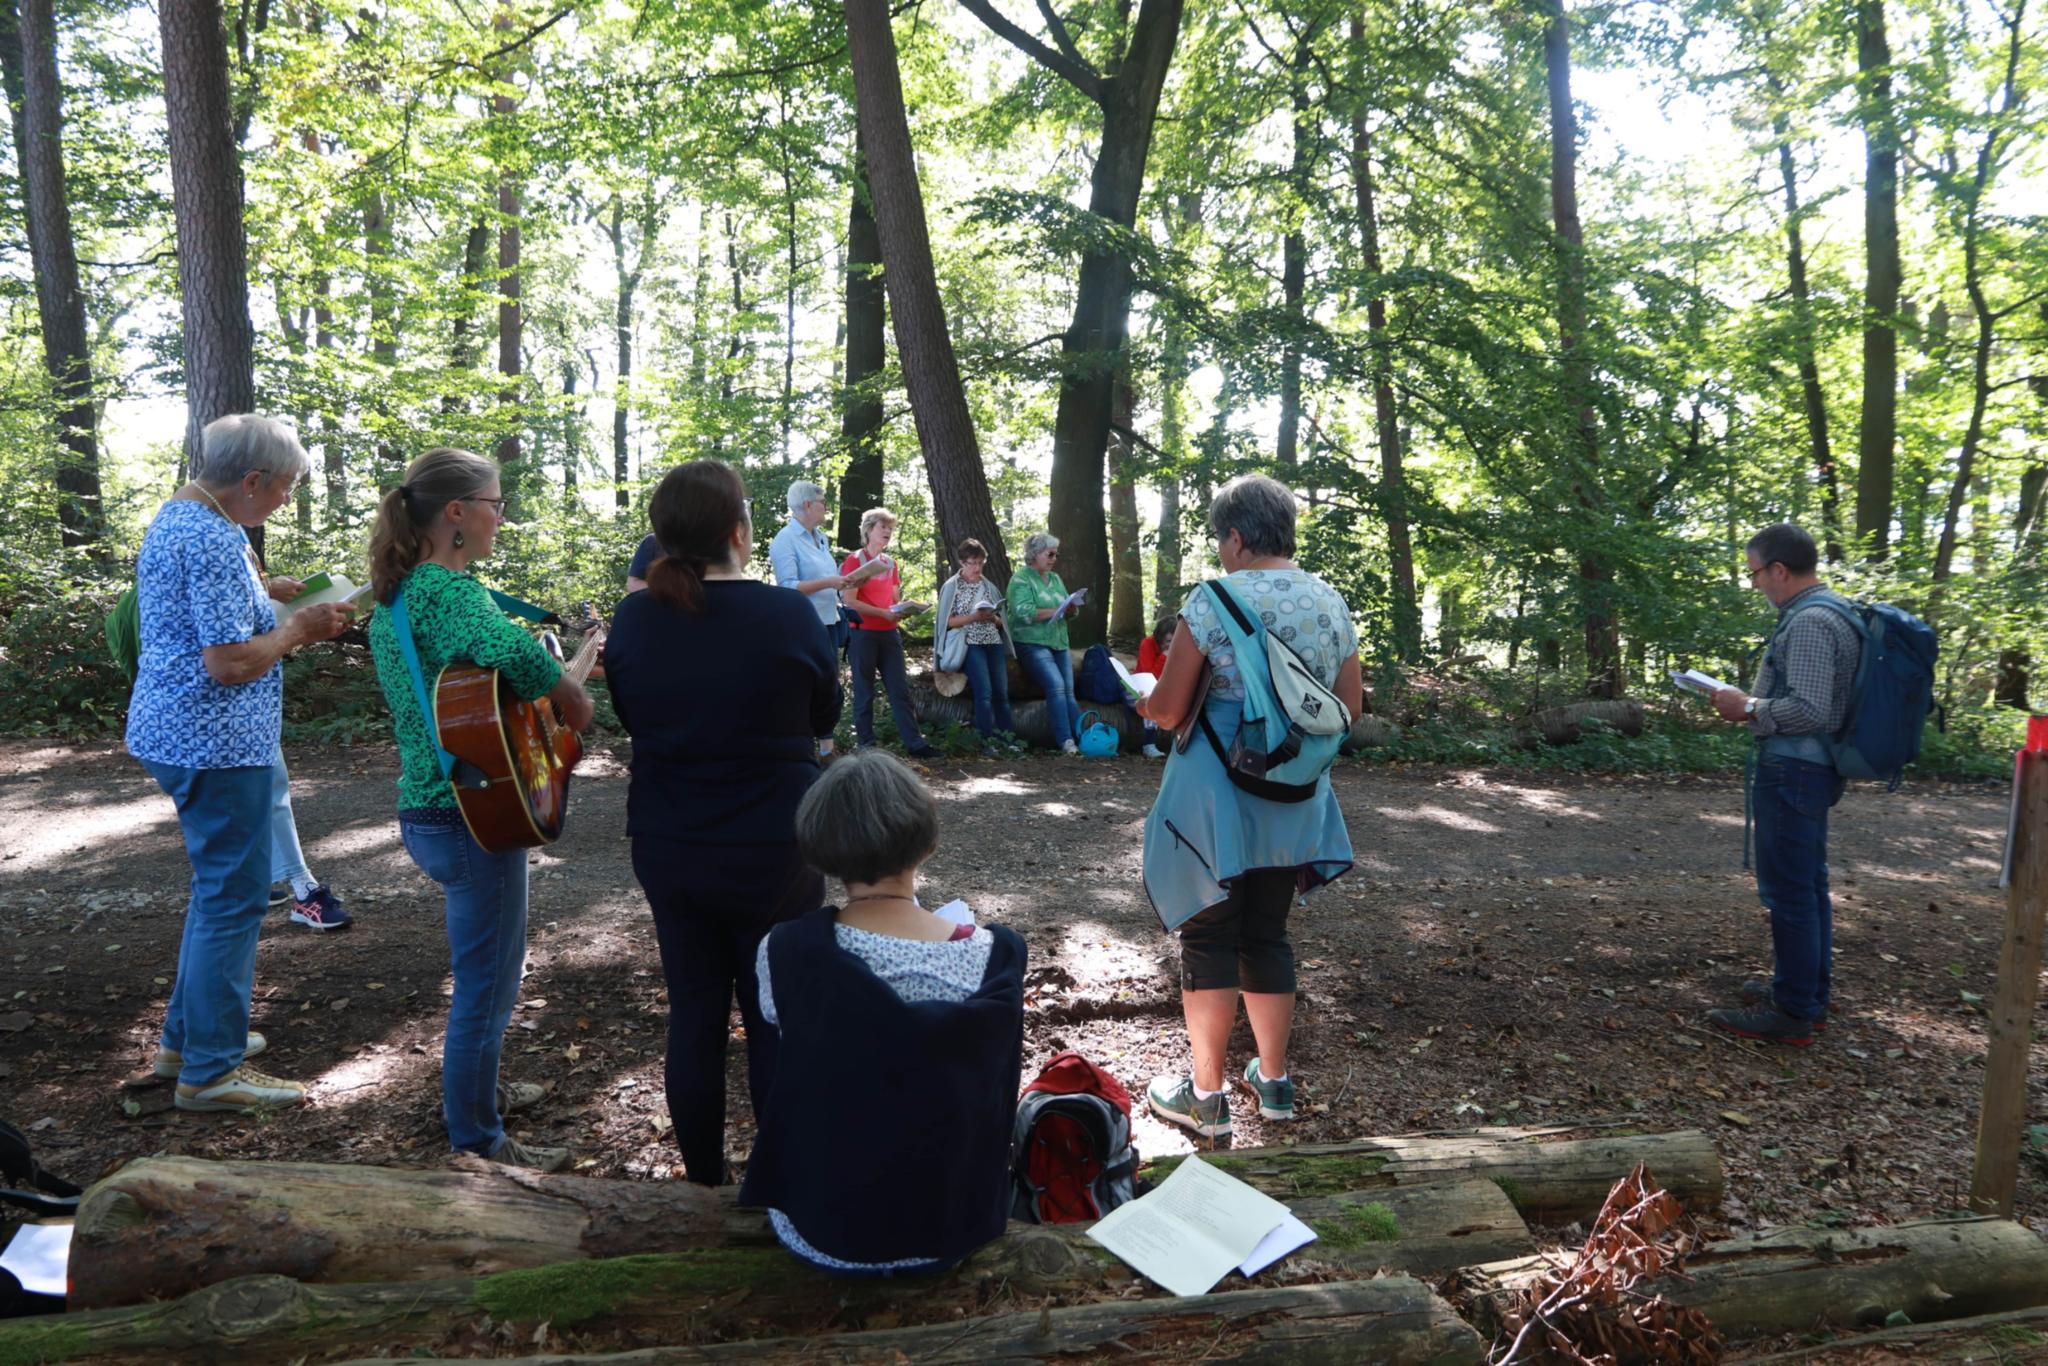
[(401, 627)]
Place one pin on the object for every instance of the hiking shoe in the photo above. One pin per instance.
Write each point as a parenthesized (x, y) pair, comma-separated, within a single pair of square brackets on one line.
[(280, 892), (1766, 1024), (514, 1096), (1276, 1098), (169, 1060), (512, 1153), (321, 910), (1152, 752), (923, 753), (241, 1091), (1173, 1099), (1757, 992), (1069, 747)]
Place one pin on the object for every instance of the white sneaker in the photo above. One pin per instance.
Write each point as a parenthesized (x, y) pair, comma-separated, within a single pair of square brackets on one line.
[(1069, 747), (1152, 752), (240, 1092), (169, 1061), (512, 1153)]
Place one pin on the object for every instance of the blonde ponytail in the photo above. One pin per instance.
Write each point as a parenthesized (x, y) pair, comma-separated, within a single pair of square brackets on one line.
[(398, 542)]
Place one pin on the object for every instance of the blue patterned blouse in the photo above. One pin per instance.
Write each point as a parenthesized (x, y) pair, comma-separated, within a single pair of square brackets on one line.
[(197, 584)]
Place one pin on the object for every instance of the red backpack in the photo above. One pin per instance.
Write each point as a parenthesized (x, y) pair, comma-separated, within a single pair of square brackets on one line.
[(1071, 1154)]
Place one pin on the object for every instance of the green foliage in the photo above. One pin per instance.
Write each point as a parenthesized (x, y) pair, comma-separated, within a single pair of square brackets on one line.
[(54, 663), (1356, 1226), (573, 1292)]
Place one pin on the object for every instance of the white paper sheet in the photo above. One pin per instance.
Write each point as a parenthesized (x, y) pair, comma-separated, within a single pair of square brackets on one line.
[(1692, 680), (38, 1257), (1291, 1236), (1189, 1231), (1137, 685), (956, 911), (339, 588), (1077, 598)]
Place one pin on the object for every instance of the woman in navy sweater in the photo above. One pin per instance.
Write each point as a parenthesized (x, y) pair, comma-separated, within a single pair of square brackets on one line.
[(908, 1026), (725, 685)]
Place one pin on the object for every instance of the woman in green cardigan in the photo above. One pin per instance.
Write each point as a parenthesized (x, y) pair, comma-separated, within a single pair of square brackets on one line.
[(1038, 613)]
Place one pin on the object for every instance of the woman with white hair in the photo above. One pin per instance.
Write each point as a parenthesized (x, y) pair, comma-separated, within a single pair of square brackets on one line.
[(1223, 864), (1038, 626), (204, 720)]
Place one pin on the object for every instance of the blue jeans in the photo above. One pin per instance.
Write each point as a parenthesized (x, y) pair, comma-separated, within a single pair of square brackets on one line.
[(287, 859), (988, 676), (883, 651), (224, 814), (486, 896), (1053, 670), (1792, 799)]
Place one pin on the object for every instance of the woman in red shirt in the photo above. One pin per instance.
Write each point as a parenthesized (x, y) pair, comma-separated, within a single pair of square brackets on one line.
[(1152, 660), (876, 644)]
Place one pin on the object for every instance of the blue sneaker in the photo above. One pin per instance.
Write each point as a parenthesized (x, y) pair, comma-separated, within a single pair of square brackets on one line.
[(1173, 1099), (1276, 1098), (280, 894), (320, 909)]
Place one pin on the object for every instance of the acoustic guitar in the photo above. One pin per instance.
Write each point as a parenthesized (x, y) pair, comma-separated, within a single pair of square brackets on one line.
[(513, 758)]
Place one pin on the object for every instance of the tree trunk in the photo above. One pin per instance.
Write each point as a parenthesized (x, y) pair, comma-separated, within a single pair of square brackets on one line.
[(1551, 1180), (2016, 662), (1879, 436), (1294, 245), (1980, 305), (206, 192), (700, 306), (1127, 582), (788, 284), (166, 1226), (511, 316), (1183, 217), (628, 280), (572, 433), (1092, 348), (28, 63), (377, 268), (260, 1319), (938, 402), (1406, 615), (867, 316), (1566, 725), (1806, 343), (1596, 577), (1794, 1280)]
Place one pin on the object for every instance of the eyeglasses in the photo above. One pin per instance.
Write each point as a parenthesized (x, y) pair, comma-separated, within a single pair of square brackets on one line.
[(497, 504), (1052, 554)]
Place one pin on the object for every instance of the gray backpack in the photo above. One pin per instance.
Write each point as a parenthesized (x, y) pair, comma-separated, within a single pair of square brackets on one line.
[(1071, 1156)]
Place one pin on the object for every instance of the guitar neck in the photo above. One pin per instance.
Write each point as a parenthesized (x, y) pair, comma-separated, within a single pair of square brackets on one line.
[(585, 659)]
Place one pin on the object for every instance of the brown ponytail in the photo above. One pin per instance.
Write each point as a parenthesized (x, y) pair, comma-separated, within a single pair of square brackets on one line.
[(693, 512), (397, 541)]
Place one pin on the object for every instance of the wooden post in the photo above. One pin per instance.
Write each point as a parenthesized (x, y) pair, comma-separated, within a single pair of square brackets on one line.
[(2004, 1111)]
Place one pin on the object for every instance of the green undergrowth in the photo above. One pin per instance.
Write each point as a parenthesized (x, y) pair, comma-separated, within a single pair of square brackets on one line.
[(33, 1341), (1356, 1226), (572, 1292), (1319, 1174)]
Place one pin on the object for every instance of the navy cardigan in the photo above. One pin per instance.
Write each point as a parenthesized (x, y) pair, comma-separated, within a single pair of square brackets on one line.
[(885, 1134)]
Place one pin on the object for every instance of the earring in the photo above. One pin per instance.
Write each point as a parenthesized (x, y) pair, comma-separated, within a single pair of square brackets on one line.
[(458, 540)]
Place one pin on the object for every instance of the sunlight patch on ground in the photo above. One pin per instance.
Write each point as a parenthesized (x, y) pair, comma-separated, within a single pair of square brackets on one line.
[(1549, 802), (1094, 952), (365, 841), (359, 1073), (1440, 815), (1056, 809), (57, 836), (1716, 818), (982, 787)]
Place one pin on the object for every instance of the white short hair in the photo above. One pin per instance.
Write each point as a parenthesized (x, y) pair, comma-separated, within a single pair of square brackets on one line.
[(241, 442), (1038, 544), (803, 491)]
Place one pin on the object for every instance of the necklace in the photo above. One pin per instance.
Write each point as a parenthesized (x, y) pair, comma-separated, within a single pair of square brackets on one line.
[(882, 896), (208, 496)]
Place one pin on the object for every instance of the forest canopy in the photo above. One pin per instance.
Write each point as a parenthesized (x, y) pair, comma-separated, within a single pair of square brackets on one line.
[(1542, 307)]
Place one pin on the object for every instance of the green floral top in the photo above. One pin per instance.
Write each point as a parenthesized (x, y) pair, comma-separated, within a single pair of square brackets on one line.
[(1031, 593), (453, 621)]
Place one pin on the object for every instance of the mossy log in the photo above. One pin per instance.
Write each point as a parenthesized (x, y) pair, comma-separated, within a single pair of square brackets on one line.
[(1794, 1279), (259, 1319), (164, 1226), (1567, 724), (1550, 1179), (1368, 732), (1034, 722)]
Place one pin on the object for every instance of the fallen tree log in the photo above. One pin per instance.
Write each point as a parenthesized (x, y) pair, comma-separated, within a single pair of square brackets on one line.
[(1550, 1179), (1566, 725), (1368, 732), (256, 1319), (1981, 1337), (165, 1226), (1034, 722), (1792, 1280)]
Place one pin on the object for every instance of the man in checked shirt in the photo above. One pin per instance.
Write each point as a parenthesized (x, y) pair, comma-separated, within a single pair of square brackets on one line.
[(1802, 697)]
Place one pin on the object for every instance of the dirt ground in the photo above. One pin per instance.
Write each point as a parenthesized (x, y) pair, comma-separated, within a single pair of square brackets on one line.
[(1509, 950)]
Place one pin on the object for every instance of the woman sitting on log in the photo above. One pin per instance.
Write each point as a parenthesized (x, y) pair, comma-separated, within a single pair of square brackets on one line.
[(725, 684), (1223, 866), (972, 638), (429, 529), (204, 721), (884, 1142)]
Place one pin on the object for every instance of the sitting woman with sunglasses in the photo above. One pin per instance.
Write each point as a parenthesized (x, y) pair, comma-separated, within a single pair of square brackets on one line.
[(429, 529), (1038, 625)]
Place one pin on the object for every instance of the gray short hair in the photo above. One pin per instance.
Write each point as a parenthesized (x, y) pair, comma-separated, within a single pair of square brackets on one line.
[(1038, 544), (241, 442), (804, 491), (872, 518), (867, 818), (1258, 509)]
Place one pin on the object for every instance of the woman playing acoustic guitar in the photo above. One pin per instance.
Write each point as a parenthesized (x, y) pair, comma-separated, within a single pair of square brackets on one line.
[(428, 530)]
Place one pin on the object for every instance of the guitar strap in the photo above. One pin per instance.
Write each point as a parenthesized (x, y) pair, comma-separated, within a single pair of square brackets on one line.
[(401, 626)]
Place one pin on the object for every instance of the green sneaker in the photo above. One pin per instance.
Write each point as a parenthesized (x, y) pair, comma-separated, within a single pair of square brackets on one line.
[(1173, 1099), (1276, 1098)]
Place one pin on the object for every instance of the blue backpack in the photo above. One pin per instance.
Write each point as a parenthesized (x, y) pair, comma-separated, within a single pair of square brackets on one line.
[(1892, 694), (1292, 723), (1097, 681)]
